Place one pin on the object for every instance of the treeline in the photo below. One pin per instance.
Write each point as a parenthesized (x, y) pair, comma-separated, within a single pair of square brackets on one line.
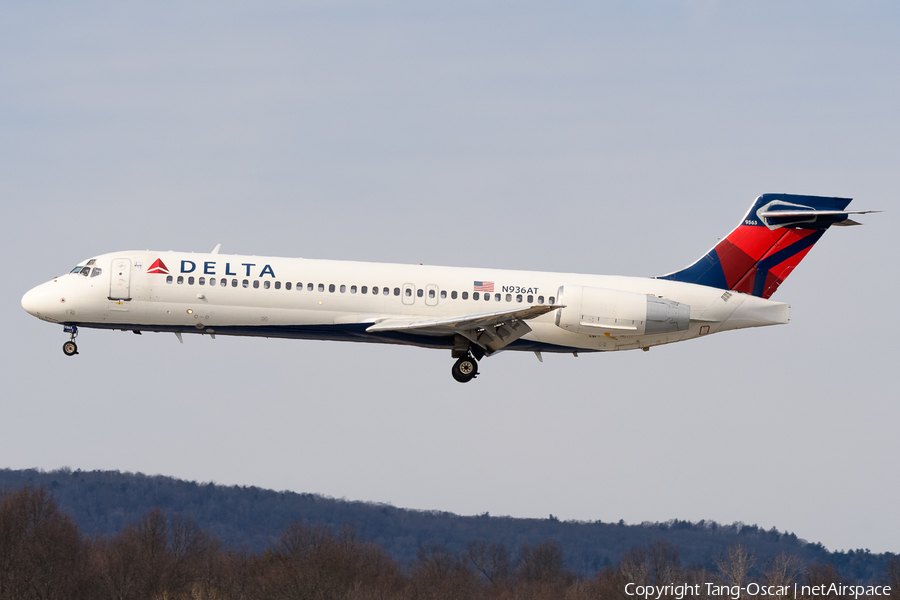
[(43, 555), (102, 503)]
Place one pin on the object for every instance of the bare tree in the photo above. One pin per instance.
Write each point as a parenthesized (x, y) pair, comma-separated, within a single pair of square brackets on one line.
[(735, 567), (439, 574), (309, 561), (116, 565), (541, 562), (491, 560), (824, 576), (782, 572), (155, 560), (634, 566), (892, 576), (41, 551), (657, 564), (664, 564)]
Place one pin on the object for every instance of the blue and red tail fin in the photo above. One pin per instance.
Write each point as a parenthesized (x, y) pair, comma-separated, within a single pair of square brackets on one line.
[(770, 242)]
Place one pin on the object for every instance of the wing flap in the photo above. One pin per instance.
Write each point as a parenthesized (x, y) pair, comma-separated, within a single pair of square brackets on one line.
[(492, 330), (463, 322)]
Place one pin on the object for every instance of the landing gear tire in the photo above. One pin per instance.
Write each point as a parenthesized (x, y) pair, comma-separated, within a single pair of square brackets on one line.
[(465, 369), (70, 349)]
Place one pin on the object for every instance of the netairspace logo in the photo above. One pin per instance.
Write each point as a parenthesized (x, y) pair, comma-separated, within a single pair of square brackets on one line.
[(736, 592)]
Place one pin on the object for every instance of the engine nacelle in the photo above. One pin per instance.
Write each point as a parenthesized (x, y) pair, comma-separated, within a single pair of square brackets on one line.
[(616, 312)]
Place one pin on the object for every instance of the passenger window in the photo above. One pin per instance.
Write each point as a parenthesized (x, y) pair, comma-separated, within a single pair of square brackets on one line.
[(321, 287), (169, 279), (518, 297), (540, 299), (509, 298), (443, 294), (309, 287), (396, 291), (343, 288), (299, 287), (212, 281), (352, 289), (530, 299), (287, 285), (331, 287), (180, 280), (223, 282), (245, 283), (234, 283), (552, 300), (267, 284), (453, 295), (465, 296), (497, 297), (375, 290), (475, 295), (363, 290), (408, 292), (277, 285), (419, 292), (431, 294), (201, 281), (190, 281), (256, 284), (96, 271)]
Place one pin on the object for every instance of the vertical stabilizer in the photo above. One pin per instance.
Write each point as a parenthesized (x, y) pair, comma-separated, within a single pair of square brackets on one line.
[(770, 242)]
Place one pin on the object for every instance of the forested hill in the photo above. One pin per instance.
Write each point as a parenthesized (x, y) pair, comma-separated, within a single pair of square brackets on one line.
[(103, 502)]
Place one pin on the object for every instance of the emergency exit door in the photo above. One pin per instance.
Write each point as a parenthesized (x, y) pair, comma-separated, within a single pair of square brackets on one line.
[(120, 279)]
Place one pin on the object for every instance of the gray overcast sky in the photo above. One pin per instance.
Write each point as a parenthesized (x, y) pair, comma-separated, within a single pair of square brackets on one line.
[(598, 137)]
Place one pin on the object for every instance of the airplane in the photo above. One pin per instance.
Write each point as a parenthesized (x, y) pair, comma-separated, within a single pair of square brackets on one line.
[(473, 312)]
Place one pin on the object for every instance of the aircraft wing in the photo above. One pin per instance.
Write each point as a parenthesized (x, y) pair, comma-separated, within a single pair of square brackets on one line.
[(492, 330)]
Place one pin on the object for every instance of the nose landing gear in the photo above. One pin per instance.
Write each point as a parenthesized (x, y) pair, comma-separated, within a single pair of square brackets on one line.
[(70, 348), (465, 369)]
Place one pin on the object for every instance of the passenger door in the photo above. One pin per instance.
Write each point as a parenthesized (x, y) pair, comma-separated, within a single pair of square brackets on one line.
[(120, 279)]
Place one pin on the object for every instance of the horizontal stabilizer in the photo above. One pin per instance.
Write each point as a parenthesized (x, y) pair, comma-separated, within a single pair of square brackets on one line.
[(809, 218)]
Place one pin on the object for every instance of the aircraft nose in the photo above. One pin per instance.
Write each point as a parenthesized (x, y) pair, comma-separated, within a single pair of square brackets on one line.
[(37, 301), (30, 302)]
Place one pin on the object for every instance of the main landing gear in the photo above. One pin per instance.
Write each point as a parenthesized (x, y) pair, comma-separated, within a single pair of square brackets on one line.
[(465, 369), (70, 348)]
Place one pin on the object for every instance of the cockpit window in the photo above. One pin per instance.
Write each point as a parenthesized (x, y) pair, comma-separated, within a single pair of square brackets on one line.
[(86, 269), (96, 271)]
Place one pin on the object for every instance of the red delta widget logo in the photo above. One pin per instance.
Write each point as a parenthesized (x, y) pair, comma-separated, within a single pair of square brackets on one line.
[(158, 266), (210, 267)]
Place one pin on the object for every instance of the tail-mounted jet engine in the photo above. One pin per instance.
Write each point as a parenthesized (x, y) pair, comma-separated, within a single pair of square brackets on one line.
[(598, 311)]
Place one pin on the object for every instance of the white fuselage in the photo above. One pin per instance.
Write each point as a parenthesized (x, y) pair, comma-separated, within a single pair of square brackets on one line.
[(324, 299)]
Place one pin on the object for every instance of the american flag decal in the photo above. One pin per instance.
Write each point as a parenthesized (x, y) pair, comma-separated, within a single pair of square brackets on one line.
[(484, 286)]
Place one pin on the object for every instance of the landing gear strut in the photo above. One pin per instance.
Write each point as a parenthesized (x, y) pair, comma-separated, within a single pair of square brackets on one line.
[(69, 348), (465, 369)]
